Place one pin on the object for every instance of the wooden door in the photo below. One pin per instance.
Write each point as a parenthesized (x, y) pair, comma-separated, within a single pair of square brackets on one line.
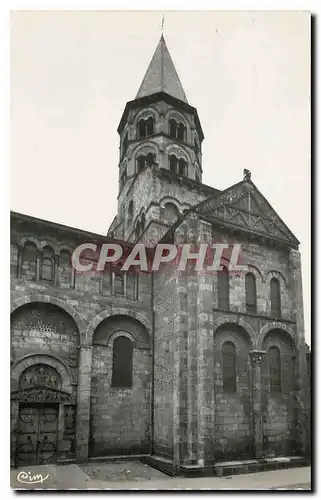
[(37, 434)]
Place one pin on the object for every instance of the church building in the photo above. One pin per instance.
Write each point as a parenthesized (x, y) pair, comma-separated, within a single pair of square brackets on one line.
[(185, 369)]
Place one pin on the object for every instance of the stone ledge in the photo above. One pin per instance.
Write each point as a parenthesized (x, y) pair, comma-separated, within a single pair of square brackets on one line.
[(224, 468)]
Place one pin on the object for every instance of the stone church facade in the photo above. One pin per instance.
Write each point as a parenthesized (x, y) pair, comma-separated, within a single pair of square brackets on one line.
[(188, 367)]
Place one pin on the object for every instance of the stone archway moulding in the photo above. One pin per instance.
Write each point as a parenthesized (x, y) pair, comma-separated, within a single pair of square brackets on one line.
[(275, 325), (47, 299), (32, 359), (113, 311), (225, 320)]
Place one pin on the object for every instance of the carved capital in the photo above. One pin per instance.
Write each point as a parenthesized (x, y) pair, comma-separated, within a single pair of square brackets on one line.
[(257, 357)]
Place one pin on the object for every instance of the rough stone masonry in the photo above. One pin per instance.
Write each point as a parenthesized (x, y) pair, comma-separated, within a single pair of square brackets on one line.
[(190, 367)]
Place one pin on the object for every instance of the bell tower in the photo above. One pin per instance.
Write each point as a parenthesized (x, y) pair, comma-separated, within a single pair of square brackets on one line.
[(160, 154)]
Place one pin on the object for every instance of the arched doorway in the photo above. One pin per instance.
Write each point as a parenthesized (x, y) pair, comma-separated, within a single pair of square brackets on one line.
[(39, 395), (120, 388), (233, 434), (44, 359)]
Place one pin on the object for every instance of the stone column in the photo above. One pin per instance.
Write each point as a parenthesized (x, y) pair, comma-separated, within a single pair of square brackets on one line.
[(56, 276), (257, 358), (38, 270), (83, 403)]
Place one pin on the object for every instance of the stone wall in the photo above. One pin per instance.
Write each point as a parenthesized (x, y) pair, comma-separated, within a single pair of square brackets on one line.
[(278, 408), (120, 417), (165, 304), (83, 300), (233, 429)]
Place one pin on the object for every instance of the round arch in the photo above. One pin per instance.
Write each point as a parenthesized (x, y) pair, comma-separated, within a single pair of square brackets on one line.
[(254, 270), (146, 113), (223, 320), (120, 333), (32, 359), (29, 239), (173, 113), (50, 244), (116, 311), (62, 247), (169, 199), (54, 301), (273, 273), (144, 149), (179, 152), (275, 325)]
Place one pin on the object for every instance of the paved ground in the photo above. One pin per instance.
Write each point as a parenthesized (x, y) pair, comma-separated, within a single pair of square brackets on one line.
[(136, 475), (122, 471)]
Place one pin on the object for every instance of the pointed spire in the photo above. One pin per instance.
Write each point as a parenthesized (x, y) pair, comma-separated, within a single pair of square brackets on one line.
[(161, 75)]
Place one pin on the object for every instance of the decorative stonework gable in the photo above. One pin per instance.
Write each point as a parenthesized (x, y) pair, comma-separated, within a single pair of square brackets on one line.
[(257, 357), (245, 207)]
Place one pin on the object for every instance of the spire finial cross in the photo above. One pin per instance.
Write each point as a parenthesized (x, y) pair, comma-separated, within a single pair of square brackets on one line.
[(162, 24)]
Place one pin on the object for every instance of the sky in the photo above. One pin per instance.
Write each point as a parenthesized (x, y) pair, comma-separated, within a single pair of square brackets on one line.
[(72, 72)]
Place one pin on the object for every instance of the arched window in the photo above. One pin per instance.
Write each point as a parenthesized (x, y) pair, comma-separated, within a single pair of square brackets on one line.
[(223, 288), (130, 211), (122, 375), (150, 126), (29, 261), (197, 177), (250, 292), (145, 127), (145, 161), (274, 358), (65, 269), (118, 282), (140, 163), (141, 128), (46, 269), (172, 128), (181, 132), (171, 211), (173, 164), (150, 159), (229, 367), (275, 298), (177, 130), (182, 167)]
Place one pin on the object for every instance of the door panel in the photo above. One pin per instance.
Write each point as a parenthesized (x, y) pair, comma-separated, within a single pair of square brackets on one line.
[(37, 434), (27, 435)]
